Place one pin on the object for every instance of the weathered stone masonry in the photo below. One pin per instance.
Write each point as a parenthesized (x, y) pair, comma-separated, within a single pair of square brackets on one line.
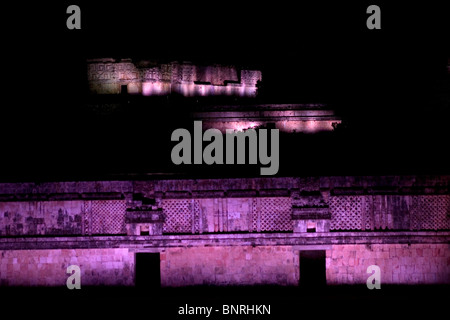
[(110, 76), (226, 231)]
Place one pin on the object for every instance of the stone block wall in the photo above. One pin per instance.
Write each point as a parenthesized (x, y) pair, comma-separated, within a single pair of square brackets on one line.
[(399, 263), (48, 267), (229, 265), (240, 265), (107, 76)]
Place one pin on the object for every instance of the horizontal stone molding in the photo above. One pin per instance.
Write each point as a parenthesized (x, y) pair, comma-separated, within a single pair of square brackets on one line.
[(336, 185), (303, 213), (230, 239), (144, 216)]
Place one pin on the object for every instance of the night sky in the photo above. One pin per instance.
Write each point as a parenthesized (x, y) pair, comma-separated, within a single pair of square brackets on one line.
[(390, 86)]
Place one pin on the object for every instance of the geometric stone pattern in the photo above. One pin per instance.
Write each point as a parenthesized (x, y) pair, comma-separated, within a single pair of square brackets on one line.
[(253, 214), (390, 212), (108, 216), (178, 215), (272, 214), (346, 212), (275, 214), (430, 212), (197, 211)]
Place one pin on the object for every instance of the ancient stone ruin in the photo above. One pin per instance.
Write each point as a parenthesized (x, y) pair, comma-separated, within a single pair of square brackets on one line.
[(111, 76), (227, 231)]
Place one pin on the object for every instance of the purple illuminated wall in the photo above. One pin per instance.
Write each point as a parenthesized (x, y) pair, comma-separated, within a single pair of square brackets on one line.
[(49, 267), (108, 76), (229, 265), (226, 231)]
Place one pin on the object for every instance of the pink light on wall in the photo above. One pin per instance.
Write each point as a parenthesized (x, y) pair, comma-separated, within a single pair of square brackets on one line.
[(152, 88), (106, 76), (308, 126), (240, 126), (187, 90), (243, 265), (242, 91), (202, 90), (243, 125)]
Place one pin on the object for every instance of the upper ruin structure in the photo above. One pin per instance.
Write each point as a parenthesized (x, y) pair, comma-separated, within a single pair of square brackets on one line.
[(111, 76)]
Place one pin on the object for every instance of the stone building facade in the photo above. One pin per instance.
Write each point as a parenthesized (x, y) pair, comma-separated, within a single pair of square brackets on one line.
[(227, 231), (111, 76), (306, 118)]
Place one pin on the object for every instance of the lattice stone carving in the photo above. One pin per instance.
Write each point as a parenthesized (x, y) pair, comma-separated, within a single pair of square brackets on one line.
[(87, 218), (108, 216), (430, 212), (178, 215), (368, 212), (385, 212), (196, 204), (275, 214), (368, 220), (153, 74), (346, 212)]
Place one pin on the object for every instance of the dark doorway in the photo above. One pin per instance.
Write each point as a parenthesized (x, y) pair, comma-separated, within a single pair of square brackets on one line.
[(312, 268), (124, 89), (148, 274)]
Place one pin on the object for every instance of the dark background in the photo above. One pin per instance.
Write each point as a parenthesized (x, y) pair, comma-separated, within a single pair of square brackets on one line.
[(391, 86)]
